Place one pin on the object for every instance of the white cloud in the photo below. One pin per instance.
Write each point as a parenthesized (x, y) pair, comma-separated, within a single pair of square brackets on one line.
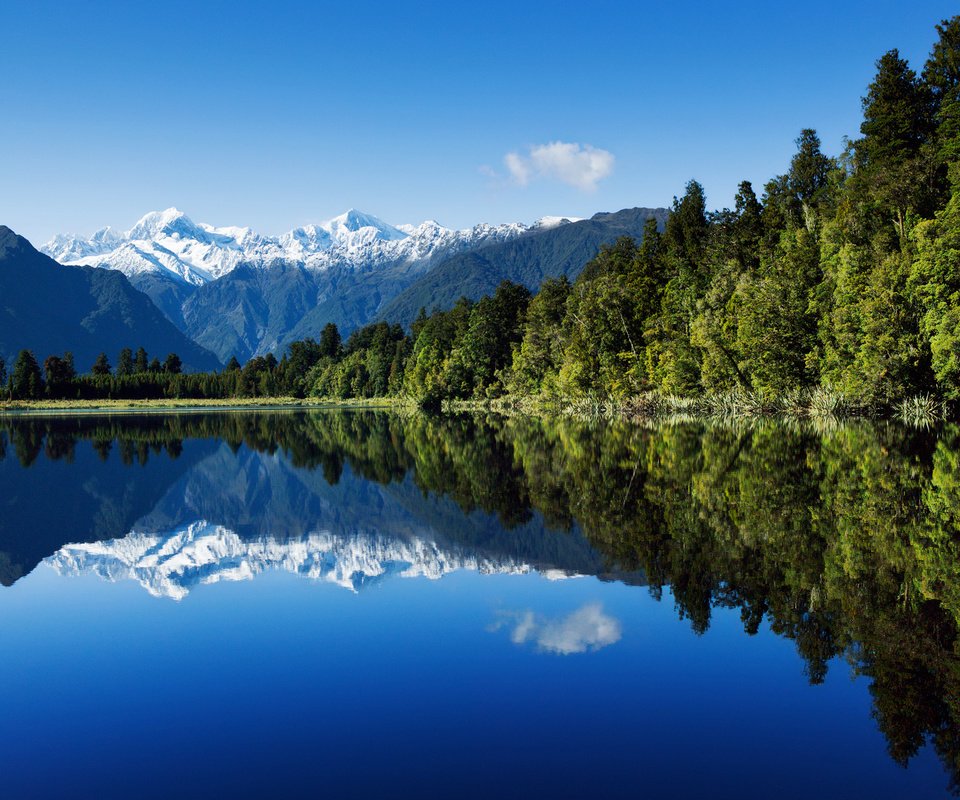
[(585, 630), (579, 165)]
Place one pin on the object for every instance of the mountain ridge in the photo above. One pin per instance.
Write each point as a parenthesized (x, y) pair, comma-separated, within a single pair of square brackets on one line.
[(529, 259)]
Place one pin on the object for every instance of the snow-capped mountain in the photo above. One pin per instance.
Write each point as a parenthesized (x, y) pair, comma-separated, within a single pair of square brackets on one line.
[(196, 253), (170, 565)]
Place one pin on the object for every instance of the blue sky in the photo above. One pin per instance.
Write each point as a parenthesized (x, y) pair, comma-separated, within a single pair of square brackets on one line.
[(280, 114)]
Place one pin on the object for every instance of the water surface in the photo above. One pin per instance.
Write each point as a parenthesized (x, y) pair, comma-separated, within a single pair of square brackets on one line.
[(369, 604)]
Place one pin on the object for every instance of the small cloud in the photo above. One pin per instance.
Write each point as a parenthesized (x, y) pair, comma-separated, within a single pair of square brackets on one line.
[(578, 165), (585, 630)]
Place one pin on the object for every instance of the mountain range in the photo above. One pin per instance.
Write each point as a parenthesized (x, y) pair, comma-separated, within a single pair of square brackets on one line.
[(236, 292)]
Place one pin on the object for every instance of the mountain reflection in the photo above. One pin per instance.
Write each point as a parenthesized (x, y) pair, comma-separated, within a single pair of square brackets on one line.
[(170, 565), (846, 541)]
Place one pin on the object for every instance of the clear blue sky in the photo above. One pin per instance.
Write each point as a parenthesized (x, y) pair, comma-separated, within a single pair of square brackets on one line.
[(278, 114)]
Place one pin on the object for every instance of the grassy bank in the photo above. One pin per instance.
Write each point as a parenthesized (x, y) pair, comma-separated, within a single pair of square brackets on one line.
[(167, 404)]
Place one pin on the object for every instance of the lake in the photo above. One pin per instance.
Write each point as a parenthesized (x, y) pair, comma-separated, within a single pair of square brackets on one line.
[(374, 604)]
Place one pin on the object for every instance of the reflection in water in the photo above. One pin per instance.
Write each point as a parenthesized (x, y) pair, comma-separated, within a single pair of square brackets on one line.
[(585, 630), (201, 553), (845, 541)]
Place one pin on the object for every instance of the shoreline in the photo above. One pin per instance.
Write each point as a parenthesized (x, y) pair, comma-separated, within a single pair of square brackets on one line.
[(818, 405), (36, 407)]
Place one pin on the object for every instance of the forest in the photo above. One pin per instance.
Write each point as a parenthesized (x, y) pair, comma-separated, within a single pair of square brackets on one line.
[(840, 280)]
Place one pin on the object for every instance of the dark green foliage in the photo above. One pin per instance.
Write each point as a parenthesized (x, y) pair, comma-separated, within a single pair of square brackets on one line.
[(371, 364), (60, 373), (807, 179), (125, 362), (893, 173), (101, 366), (173, 365), (478, 359), (603, 330), (537, 360), (672, 361), (141, 364), (26, 382), (330, 341)]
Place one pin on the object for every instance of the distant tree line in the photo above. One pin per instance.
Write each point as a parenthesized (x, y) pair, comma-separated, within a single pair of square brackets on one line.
[(844, 274)]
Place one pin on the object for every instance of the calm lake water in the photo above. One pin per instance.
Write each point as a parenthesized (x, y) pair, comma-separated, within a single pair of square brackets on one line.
[(366, 604)]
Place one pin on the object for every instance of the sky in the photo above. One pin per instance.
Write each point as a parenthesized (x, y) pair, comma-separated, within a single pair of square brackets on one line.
[(274, 115)]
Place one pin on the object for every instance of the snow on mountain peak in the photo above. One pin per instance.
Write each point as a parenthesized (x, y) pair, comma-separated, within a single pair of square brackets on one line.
[(553, 222), (170, 242), (353, 222), (151, 225)]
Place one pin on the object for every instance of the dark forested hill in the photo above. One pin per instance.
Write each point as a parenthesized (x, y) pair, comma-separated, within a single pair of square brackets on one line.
[(50, 309), (553, 252)]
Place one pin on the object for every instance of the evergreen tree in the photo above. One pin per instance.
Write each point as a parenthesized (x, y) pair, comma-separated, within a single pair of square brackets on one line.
[(898, 119), (140, 364), (125, 363), (330, 341), (934, 285), (776, 335), (941, 74), (59, 374), (672, 362), (172, 365), (734, 253), (604, 327), (26, 382), (809, 171), (101, 366)]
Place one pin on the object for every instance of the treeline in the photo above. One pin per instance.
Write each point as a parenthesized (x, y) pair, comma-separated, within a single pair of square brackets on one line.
[(137, 377)]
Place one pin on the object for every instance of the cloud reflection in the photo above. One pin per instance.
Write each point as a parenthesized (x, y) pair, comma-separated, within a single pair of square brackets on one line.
[(585, 630)]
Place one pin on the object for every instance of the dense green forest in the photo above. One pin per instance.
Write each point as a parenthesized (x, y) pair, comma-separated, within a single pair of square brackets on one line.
[(842, 277)]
